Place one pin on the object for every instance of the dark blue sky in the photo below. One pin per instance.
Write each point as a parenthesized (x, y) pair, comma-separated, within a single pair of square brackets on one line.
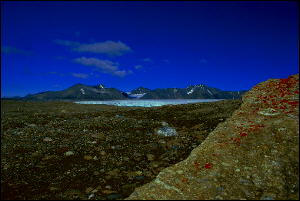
[(227, 45)]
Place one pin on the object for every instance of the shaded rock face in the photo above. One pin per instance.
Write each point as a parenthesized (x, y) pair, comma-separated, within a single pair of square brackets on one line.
[(252, 155)]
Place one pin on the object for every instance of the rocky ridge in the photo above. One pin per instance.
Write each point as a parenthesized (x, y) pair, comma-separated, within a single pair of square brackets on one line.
[(100, 92), (252, 155)]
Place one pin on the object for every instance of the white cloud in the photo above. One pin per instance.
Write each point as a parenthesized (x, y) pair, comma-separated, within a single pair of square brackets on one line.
[(122, 73), (147, 60), (108, 47), (13, 50), (104, 66), (138, 66), (55, 73), (80, 75)]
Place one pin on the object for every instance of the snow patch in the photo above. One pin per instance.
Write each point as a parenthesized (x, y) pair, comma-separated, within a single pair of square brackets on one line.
[(191, 91), (136, 95), (209, 92), (82, 91)]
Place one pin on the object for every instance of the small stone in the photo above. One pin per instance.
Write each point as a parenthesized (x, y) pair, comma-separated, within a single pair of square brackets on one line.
[(47, 139), (87, 157), (139, 173), (95, 191), (164, 123), (89, 189), (150, 157), (162, 141), (108, 191), (238, 170), (103, 153), (126, 159), (69, 153), (95, 158), (53, 188), (108, 186), (269, 112), (90, 196), (225, 164)]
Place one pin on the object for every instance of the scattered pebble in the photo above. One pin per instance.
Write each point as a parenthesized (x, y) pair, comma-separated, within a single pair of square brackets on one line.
[(47, 139), (69, 153), (87, 157), (91, 195), (89, 189), (150, 157)]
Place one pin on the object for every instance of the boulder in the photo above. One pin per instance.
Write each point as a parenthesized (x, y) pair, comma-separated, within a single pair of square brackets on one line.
[(252, 155)]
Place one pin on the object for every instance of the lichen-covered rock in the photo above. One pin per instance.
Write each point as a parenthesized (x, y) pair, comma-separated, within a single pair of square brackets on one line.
[(252, 155)]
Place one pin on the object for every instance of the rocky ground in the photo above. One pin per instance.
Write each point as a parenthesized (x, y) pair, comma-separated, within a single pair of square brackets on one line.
[(59, 150), (253, 155)]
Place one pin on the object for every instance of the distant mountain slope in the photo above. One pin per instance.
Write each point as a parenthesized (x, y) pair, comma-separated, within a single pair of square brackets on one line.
[(100, 92), (79, 92), (192, 92)]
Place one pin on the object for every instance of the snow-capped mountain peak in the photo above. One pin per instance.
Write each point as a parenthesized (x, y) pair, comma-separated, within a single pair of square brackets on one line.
[(82, 91), (101, 86)]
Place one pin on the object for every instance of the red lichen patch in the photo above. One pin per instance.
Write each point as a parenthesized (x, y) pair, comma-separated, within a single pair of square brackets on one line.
[(293, 103), (296, 92), (284, 101), (288, 112), (184, 180), (208, 165), (197, 165), (255, 127), (222, 143), (243, 134), (237, 140)]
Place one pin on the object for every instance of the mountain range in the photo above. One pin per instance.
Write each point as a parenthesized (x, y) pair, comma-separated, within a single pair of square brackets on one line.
[(100, 92)]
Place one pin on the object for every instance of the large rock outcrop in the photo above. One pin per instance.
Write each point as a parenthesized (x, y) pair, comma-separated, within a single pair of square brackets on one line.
[(252, 155)]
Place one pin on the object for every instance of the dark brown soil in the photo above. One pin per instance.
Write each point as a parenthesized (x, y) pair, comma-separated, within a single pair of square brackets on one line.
[(112, 149)]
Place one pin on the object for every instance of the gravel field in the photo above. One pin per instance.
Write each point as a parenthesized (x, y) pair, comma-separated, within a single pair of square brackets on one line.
[(62, 150)]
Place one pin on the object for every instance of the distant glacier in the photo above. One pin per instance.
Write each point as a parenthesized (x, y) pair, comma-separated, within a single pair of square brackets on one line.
[(148, 102)]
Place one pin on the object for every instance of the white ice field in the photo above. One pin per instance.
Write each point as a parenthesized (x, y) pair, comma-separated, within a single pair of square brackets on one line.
[(148, 102)]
